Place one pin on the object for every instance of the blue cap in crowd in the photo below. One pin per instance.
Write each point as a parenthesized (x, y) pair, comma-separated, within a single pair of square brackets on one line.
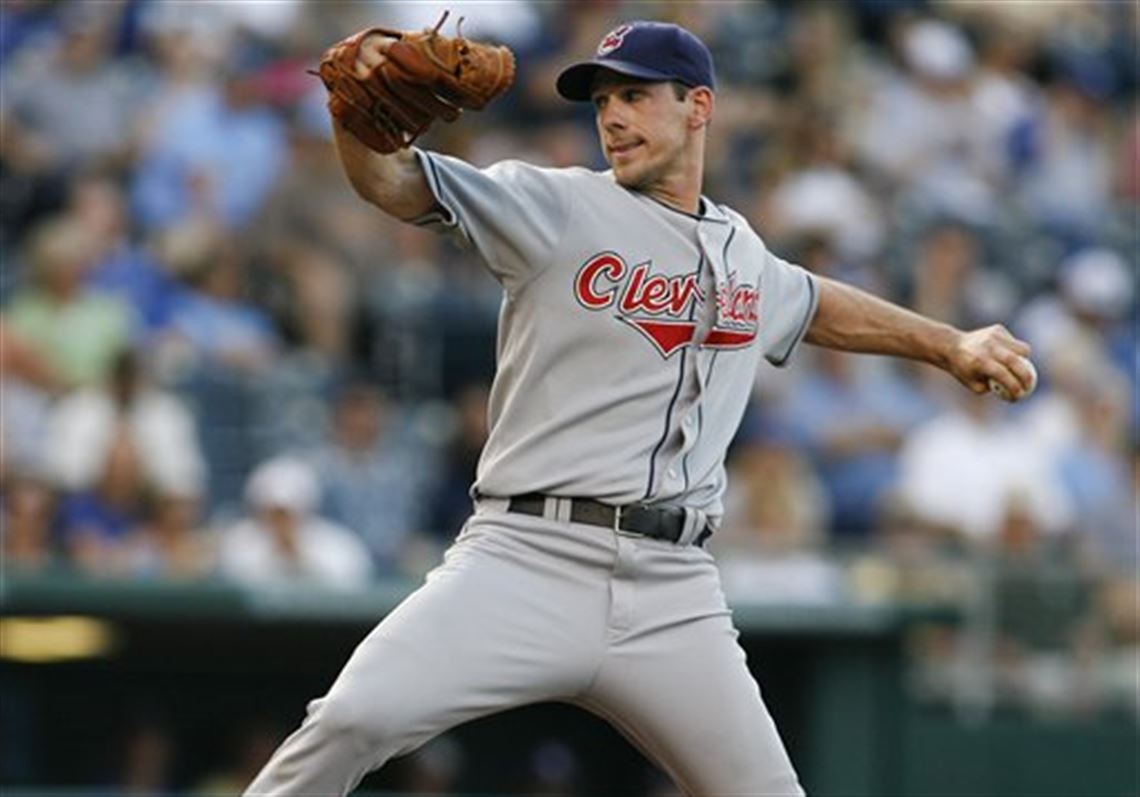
[(647, 50)]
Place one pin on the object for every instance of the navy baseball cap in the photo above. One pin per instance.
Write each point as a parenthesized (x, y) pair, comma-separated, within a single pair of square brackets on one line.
[(646, 50)]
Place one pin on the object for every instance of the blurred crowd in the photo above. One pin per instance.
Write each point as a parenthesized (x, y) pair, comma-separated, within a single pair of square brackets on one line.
[(218, 363)]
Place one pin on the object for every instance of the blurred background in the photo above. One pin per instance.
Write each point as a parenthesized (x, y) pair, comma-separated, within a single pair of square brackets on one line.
[(241, 409)]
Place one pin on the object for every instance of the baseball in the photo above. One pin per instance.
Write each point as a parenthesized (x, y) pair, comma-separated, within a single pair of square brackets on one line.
[(998, 390)]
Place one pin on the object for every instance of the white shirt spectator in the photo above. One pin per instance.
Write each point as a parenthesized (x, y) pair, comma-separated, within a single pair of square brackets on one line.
[(829, 198), (83, 427), (327, 553), (285, 540), (962, 472)]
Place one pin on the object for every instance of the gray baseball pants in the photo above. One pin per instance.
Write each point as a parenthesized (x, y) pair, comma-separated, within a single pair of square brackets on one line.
[(528, 609)]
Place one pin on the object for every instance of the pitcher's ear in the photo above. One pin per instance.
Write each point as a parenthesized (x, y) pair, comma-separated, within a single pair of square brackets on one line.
[(703, 101)]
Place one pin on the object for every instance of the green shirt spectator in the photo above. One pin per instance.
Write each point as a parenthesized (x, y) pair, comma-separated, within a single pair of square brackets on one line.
[(75, 332)]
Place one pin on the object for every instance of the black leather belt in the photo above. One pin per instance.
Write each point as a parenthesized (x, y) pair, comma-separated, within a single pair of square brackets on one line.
[(660, 523)]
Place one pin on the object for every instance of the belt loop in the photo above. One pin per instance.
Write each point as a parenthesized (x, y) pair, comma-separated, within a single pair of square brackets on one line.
[(550, 507), (563, 509), (695, 522)]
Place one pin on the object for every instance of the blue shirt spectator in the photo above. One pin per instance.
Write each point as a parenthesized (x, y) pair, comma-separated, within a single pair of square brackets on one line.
[(375, 474), (215, 151), (130, 274), (226, 330), (87, 513), (852, 417), (120, 266), (212, 316)]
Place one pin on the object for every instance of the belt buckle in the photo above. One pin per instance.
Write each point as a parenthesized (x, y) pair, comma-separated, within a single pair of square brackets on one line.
[(617, 524)]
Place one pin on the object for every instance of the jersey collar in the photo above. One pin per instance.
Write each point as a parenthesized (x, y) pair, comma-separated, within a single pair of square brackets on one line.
[(710, 211)]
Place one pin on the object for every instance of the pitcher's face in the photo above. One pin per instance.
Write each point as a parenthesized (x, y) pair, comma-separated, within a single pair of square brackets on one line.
[(644, 129)]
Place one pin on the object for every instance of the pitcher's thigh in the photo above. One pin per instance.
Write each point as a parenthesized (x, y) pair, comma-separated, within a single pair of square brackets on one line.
[(485, 633), (685, 696)]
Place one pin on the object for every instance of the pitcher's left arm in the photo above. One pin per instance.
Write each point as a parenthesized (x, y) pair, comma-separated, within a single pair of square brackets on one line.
[(853, 320)]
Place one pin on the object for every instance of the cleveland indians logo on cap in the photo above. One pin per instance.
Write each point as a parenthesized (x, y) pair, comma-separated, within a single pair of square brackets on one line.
[(613, 39), (660, 307)]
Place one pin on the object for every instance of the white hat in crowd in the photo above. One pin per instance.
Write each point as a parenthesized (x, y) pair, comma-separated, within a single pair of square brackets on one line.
[(938, 51), (283, 483), (1097, 282)]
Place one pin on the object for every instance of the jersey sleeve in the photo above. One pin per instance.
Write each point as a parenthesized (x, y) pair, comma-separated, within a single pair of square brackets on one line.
[(789, 297), (512, 214)]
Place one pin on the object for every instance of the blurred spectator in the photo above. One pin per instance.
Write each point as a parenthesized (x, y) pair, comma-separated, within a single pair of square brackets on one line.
[(375, 474), (1094, 468), (310, 204), (27, 385), (1099, 290), (775, 502), (129, 412), (822, 195), (851, 415), (212, 322), (1120, 614), (96, 520), (905, 563), (961, 472), (1003, 94), (27, 511), (951, 283), (1065, 145), (212, 149), (451, 502), (413, 303), (1127, 169), (1053, 416), (42, 90), (920, 129), (772, 540), (75, 332), (284, 539), (320, 242), (1095, 298), (821, 55), (20, 362), (314, 300), (24, 21), (167, 542), (121, 267), (1043, 618)]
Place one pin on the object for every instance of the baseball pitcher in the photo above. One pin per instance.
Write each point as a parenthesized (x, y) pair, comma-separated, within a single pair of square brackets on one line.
[(635, 311)]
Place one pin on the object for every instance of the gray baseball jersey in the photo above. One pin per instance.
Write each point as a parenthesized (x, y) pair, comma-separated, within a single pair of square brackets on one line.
[(628, 342), (629, 332)]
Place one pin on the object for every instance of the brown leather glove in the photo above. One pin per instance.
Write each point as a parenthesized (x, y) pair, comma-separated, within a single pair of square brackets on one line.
[(424, 76)]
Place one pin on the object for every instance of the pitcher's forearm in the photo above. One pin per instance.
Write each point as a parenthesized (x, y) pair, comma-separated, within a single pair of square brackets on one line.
[(394, 183), (853, 320)]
